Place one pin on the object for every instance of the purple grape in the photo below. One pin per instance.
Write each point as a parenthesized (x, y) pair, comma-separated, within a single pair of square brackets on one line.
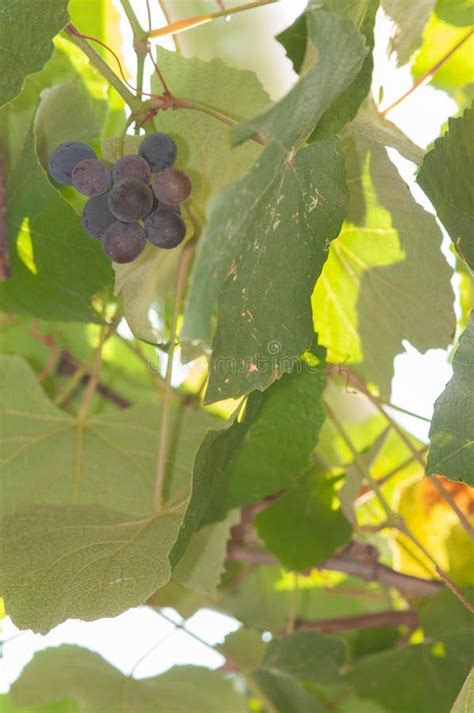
[(165, 228), (96, 217), (91, 177), (159, 151), (124, 242), (131, 167), (130, 200), (65, 157), (171, 186)]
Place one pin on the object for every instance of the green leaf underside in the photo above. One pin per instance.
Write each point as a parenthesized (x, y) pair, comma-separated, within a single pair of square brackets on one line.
[(305, 526), (39, 23), (81, 562), (78, 497), (446, 178), (452, 427), (432, 672), (258, 456), (334, 56), (265, 245), (78, 675), (386, 279)]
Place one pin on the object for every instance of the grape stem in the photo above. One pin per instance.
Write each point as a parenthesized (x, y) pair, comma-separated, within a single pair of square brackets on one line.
[(163, 444), (133, 102), (192, 22), (429, 74)]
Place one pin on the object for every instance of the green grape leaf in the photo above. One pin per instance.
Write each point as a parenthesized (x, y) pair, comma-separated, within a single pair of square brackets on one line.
[(202, 565), (455, 12), (334, 56), (82, 562), (464, 703), (294, 40), (438, 40), (265, 245), (306, 525), (446, 178), (368, 299), (432, 672), (306, 656), (6, 706), (370, 125), (286, 695), (362, 13), (80, 536), (69, 672), (25, 46), (408, 22), (259, 455), (452, 427), (245, 648)]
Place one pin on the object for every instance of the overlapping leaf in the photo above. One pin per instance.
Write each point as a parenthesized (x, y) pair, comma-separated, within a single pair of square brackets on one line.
[(446, 178), (81, 537), (295, 38), (91, 684), (432, 672), (25, 46), (386, 279), (304, 526), (452, 427), (258, 456), (409, 20)]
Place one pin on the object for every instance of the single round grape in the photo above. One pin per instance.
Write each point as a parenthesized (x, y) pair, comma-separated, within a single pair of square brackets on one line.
[(165, 228), (131, 167), (171, 186), (91, 177), (159, 151), (65, 157), (130, 200), (124, 242), (96, 217)]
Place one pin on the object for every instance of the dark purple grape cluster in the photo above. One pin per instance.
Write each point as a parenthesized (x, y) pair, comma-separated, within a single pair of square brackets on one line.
[(136, 199)]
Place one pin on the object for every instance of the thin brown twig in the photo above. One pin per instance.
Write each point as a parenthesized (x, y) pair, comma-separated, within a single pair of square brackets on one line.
[(363, 621), (192, 22), (49, 342), (370, 571), (428, 74)]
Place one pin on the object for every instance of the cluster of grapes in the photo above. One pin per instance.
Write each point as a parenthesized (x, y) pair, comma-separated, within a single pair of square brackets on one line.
[(137, 198)]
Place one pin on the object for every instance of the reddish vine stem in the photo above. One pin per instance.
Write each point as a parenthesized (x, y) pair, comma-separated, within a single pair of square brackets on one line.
[(430, 73), (191, 22), (364, 621)]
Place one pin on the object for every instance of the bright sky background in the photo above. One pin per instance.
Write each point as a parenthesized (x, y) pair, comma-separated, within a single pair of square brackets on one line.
[(418, 380)]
